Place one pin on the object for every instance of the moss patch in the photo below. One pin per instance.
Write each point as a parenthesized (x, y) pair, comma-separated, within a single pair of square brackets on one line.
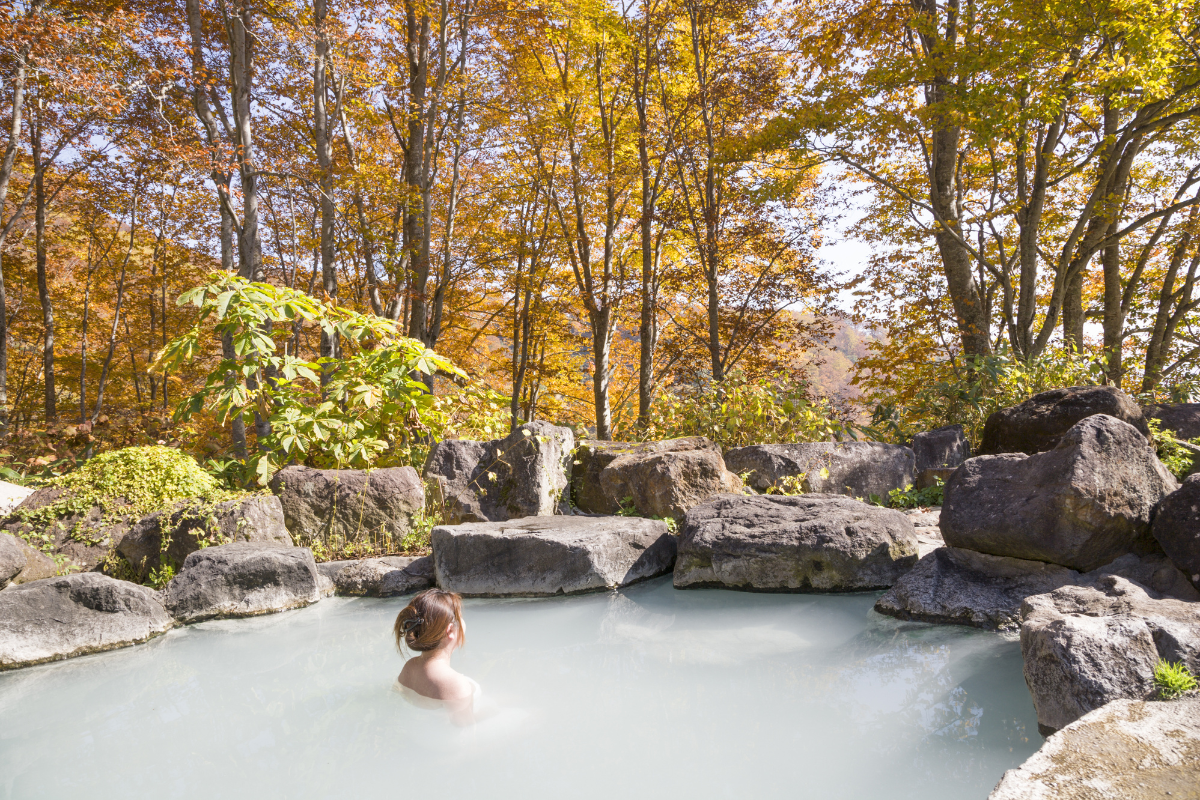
[(135, 481)]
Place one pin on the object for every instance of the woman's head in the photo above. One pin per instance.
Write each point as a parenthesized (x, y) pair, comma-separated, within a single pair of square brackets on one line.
[(433, 619)]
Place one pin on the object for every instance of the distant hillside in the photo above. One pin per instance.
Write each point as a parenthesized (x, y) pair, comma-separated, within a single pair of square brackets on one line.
[(831, 368)]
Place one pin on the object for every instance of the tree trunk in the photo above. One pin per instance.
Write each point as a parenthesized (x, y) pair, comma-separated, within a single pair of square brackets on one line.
[(6, 169), (51, 398), (324, 148)]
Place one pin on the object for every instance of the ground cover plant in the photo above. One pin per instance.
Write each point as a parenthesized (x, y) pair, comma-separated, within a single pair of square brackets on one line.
[(1173, 679)]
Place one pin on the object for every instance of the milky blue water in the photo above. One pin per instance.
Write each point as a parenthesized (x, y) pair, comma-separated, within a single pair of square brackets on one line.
[(646, 693)]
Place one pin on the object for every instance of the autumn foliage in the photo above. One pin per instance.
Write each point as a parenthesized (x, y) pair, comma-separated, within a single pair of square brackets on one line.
[(607, 215)]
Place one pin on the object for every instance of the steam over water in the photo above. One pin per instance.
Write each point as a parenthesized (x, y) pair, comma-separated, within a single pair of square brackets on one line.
[(646, 693)]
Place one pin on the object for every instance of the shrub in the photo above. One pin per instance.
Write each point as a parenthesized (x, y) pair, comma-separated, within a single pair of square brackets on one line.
[(135, 481), (371, 407), (936, 393), (1172, 452), (1173, 679), (913, 497), (740, 411)]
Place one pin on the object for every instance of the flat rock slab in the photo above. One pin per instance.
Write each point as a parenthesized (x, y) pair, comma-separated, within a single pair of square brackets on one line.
[(1086, 646), (379, 577), (1127, 750), (805, 543), (242, 580), (1038, 424), (856, 469), (11, 496), (962, 587), (1080, 505), (73, 615), (540, 556)]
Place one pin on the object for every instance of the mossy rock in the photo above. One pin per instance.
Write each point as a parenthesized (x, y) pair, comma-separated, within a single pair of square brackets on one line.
[(81, 516)]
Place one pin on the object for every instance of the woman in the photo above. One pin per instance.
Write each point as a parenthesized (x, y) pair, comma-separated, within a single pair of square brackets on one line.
[(432, 626)]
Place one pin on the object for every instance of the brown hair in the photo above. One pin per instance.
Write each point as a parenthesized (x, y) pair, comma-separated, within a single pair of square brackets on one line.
[(421, 625)]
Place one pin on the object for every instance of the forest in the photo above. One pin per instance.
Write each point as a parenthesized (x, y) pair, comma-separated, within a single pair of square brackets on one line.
[(327, 232)]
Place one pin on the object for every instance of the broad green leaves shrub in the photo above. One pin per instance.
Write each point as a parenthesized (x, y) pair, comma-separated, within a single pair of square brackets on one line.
[(741, 411), (374, 408), (944, 393), (1172, 452)]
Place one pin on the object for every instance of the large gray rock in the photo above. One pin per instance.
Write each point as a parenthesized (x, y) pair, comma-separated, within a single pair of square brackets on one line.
[(1126, 750), (1177, 528), (539, 556), (805, 543), (1082, 504), (20, 563), (1085, 646), (242, 580), (58, 618), (592, 456), (379, 577), (667, 483), (963, 587), (1181, 419), (1041, 421), (526, 474), (940, 448), (857, 469), (349, 504), (168, 537)]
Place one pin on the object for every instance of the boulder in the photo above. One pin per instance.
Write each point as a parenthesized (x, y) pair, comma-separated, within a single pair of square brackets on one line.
[(1038, 424), (85, 535), (1082, 504), (804, 543), (526, 474), (1085, 646), (928, 478), (1181, 419), (539, 556), (1177, 528), (1126, 750), (11, 496), (348, 504), (667, 484), (593, 455), (59, 618), (379, 577), (168, 537), (20, 563), (963, 587), (857, 469), (241, 580), (940, 448)]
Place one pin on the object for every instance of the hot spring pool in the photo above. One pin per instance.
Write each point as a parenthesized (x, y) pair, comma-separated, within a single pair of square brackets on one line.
[(646, 693)]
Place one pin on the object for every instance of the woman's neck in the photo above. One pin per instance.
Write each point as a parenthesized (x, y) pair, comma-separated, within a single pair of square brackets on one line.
[(440, 654)]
